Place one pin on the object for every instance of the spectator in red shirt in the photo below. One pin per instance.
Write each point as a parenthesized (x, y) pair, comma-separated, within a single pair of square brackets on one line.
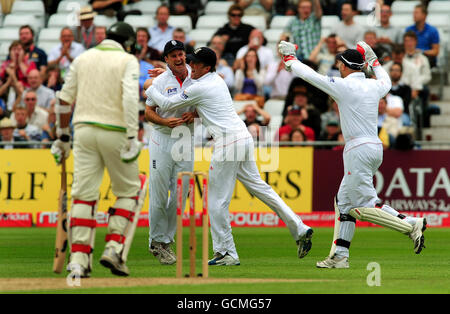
[(294, 120), (19, 60)]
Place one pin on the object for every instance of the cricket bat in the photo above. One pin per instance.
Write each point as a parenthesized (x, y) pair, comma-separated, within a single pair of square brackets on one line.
[(61, 228)]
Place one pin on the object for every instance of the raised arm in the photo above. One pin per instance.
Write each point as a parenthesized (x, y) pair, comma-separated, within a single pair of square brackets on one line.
[(384, 81), (317, 9)]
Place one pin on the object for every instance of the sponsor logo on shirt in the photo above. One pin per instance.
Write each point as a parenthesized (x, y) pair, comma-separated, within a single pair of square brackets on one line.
[(171, 91), (331, 79)]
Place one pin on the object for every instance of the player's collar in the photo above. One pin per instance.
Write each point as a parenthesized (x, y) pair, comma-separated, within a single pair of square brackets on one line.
[(357, 75)]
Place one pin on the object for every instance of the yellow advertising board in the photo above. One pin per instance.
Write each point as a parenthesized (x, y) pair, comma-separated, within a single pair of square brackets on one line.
[(30, 180)]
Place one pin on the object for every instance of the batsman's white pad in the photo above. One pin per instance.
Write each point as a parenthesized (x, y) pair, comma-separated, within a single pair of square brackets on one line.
[(131, 228), (337, 224), (379, 217)]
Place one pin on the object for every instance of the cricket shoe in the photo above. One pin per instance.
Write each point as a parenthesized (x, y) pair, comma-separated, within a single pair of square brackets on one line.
[(417, 235), (110, 259), (78, 271), (334, 262), (163, 253), (223, 260), (304, 243)]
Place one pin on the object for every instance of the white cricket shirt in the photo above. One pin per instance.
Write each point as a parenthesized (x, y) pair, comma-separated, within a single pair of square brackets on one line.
[(214, 105), (168, 85), (357, 99)]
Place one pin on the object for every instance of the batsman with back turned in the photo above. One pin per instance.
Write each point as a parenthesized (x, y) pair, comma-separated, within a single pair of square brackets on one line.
[(104, 83), (357, 98)]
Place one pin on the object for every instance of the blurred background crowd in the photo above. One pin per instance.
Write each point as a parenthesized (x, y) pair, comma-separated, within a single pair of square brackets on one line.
[(40, 39)]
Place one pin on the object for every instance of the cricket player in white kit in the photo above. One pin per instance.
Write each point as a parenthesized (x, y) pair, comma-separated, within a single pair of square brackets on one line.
[(104, 83), (357, 99), (163, 166), (232, 157)]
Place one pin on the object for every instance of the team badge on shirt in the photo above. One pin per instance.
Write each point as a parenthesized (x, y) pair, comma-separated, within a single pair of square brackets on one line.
[(184, 96)]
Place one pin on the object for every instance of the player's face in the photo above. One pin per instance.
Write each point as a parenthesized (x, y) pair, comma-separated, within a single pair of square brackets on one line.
[(176, 60), (198, 70)]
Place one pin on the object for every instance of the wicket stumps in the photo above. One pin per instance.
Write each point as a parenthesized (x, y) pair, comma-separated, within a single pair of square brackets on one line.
[(192, 237)]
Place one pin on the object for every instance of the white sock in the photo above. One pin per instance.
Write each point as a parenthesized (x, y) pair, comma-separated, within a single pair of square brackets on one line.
[(346, 233), (408, 219)]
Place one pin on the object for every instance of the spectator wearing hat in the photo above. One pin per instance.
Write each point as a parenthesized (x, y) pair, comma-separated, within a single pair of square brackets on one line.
[(234, 33), (85, 32), (306, 28), (427, 36), (65, 52), (35, 54), (6, 133), (294, 120), (44, 94)]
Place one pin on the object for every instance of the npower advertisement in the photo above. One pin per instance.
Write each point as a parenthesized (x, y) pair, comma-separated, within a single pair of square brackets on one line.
[(416, 182)]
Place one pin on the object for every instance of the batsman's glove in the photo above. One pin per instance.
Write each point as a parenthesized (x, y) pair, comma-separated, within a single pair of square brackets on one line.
[(368, 55), (130, 152), (289, 51), (61, 147)]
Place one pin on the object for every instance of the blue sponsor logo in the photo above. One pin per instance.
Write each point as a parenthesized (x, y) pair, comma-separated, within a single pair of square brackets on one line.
[(184, 96), (171, 91), (331, 79)]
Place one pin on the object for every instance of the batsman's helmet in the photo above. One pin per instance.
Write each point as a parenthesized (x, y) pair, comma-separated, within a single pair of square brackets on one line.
[(124, 34)]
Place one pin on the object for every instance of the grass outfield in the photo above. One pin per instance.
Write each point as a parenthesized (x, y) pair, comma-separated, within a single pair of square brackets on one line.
[(268, 265)]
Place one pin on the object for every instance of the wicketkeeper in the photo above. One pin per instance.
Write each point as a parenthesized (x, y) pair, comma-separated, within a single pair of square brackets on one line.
[(104, 83), (357, 98)]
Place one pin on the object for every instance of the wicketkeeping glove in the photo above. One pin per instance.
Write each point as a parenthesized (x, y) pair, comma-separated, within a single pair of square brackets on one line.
[(130, 152), (368, 55), (61, 147), (289, 51)]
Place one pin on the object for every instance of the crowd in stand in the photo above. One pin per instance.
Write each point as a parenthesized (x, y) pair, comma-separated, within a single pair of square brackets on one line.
[(253, 72)]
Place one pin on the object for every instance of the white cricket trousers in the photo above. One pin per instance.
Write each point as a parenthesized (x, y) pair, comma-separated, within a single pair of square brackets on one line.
[(164, 168), (360, 165), (223, 173)]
